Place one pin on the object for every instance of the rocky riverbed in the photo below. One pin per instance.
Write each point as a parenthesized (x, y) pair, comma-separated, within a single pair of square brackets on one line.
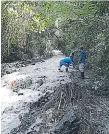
[(38, 99), (25, 91)]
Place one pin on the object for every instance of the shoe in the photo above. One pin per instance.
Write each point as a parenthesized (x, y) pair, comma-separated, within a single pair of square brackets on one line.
[(66, 69), (59, 69), (82, 75)]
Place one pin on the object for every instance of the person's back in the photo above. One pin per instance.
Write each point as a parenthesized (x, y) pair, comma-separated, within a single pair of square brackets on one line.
[(82, 56), (66, 62)]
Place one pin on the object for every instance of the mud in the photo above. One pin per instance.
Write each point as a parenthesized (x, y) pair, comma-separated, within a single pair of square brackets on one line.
[(43, 100)]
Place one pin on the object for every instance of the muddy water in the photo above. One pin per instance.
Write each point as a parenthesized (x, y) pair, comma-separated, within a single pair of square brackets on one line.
[(24, 94), (38, 99)]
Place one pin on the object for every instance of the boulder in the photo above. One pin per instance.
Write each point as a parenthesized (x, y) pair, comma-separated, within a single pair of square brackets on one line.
[(69, 124), (21, 84), (40, 82)]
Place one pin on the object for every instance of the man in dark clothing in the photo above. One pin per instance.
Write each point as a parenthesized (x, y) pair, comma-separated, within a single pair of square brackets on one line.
[(82, 58)]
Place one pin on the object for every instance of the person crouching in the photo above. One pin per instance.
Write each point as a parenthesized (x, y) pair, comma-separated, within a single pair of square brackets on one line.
[(67, 61)]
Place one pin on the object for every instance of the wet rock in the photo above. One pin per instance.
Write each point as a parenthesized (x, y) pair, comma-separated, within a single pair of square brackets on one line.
[(22, 65), (42, 77), (37, 59), (40, 82), (29, 61), (39, 94), (68, 124), (7, 72), (61, 76), (42, 101), (20, 117), (93, 88), (33, 63), (32, 132), (15, 90), (21, 84), (62, 80), (20, 94), (28, 81), (35, 105), (8, 68), (42, 60)]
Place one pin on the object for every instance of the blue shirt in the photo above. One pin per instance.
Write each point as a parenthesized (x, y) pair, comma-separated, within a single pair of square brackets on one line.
[(82, 56), (66, 60)]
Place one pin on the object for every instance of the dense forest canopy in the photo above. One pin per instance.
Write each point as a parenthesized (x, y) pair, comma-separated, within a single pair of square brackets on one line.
[(36, 27)]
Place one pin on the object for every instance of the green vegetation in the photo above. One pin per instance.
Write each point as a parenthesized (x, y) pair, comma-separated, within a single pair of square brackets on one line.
[(29, 27)]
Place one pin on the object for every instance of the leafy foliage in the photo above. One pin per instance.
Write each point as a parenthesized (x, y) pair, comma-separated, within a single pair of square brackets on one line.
[(33, 27)]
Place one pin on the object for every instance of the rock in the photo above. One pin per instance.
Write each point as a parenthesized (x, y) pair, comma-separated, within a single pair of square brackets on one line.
[(32, 132), (28, 61), (40, 82), (28, 81), (34, 105), (33, 63), (61, 76), (62, 80), (8, 68), (39, 94), (15, 90), (68, 124), (93, 88), (20, 117), (22, 83), (7, 72), (22, 65), (42, 61), (42, 77), (20, 94)]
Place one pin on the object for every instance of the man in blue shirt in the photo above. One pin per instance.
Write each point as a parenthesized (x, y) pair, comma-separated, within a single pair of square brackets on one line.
[(66, 62), (82, 58)]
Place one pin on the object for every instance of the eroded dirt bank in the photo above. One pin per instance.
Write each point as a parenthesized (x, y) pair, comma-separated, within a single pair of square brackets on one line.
[(37, 99)]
